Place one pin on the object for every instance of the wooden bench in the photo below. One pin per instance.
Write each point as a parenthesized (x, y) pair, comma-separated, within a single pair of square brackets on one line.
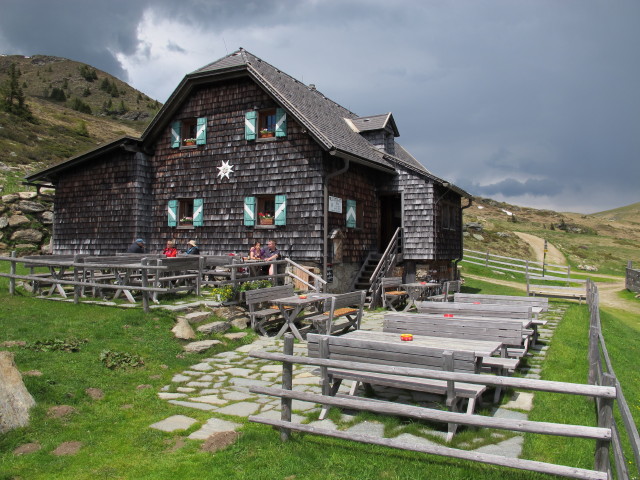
[(255, 300), (449, 288), (392, 295), (371, 350), (496, 312), (179, 274), (540, 302), (506, 331), (556, 291), (346, 306)]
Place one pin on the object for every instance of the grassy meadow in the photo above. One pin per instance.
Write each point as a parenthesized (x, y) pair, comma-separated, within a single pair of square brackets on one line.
[(117, 442)]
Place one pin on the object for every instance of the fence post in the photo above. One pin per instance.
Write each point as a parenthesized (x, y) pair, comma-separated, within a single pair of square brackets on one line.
[(12, 271), (486, 259), (145, 283), (605, 420), (287, 384)]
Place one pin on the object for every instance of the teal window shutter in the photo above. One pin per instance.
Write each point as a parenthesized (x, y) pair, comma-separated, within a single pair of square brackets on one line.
[(249, 211), (198, 214), (351, 214), (250, 125), (201, 132), (281, 122), (281, 210), (175, 134), (172, 213)]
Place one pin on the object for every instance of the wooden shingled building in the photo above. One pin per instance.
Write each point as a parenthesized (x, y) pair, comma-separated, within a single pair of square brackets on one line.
[(242, 152)]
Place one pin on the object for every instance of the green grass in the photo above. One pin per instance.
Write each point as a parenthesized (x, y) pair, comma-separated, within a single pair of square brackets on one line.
[(118, 442)]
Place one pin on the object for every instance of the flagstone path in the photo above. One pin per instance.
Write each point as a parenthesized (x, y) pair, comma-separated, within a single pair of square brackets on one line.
[(220, 385)]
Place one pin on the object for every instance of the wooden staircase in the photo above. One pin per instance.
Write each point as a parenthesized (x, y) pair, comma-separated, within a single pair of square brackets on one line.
[(375, 267)]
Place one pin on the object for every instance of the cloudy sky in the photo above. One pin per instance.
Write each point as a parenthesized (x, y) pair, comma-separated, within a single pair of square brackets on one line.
[(532, 102)]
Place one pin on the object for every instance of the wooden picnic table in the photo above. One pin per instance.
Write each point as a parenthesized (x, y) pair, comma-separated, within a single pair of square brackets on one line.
[(480, 348), (418, 291), (291, 307)]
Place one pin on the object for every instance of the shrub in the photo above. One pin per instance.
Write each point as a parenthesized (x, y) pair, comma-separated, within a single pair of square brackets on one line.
[(114, 360)]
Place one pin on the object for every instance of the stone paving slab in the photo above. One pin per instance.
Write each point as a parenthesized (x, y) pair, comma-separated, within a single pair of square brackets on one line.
[(173, 423), (214, 425), (221, 384)]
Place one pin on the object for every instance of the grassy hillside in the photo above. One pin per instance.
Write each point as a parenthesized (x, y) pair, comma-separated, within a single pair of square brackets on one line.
[(606, 240), (74, 108)]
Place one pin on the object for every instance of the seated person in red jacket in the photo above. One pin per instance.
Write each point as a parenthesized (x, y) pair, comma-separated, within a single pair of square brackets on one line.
[(171, 250)]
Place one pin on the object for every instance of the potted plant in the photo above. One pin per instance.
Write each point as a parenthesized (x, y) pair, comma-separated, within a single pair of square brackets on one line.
[(189, 142), (265, 218), (186, 221), (266, 133)]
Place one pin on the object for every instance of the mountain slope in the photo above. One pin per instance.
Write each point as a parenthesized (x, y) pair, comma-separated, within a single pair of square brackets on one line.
[(56, 89)]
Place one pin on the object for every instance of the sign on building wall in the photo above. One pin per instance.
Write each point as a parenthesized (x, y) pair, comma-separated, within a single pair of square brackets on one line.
[(335, 204)]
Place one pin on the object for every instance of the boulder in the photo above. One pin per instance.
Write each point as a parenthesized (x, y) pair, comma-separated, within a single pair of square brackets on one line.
[(30, 235), (183, 329), (4, 222), (11, 198), (215, 327), (46, 218), (197, 317), (201, 346), (17, 220), (240, 322), (27, 195), (15, 400), (26, 206)]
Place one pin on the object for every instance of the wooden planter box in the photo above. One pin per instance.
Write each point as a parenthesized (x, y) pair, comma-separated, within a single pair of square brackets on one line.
[(266, 221)]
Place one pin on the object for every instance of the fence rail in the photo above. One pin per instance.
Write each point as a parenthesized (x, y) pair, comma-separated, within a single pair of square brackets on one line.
[(600, 368), (515, 265)]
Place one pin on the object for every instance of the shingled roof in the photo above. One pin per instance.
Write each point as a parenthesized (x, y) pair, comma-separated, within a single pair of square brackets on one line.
[(325, 120)]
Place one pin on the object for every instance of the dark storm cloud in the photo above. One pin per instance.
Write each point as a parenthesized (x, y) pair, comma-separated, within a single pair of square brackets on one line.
[(525, 101)]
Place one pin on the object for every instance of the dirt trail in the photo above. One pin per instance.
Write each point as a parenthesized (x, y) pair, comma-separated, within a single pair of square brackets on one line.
[(554, 256), (608, 291)]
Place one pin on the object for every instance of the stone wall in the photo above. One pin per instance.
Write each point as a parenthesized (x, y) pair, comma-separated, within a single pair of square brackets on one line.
[(632, 282), (26, 220)]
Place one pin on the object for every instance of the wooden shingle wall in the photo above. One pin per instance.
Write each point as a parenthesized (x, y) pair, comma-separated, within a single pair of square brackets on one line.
[(359, 184), (424, 237), (291, 166), (99, 208)]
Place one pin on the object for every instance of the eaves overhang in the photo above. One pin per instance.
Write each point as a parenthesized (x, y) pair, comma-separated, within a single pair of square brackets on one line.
[(50, 175)]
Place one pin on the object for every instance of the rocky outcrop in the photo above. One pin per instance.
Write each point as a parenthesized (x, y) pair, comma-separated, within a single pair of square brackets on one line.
[(15, 400), (25, 222)]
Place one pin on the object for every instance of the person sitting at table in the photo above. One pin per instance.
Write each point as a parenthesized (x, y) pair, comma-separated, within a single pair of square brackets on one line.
[(170, 250), (255, 252), (271, 253), (193, 248), (137, 246)]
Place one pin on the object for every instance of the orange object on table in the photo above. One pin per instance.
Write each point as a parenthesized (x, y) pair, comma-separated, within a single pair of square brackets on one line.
[(406, 337)]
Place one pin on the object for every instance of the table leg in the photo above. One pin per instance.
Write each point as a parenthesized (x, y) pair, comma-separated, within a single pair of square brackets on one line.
[(289, 319)]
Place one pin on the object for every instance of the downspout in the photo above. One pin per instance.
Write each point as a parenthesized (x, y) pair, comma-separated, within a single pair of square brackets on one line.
[(325, 242), (455, 261)]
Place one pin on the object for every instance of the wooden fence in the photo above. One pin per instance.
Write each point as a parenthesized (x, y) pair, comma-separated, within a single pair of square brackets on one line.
[(515, 265), (148, 276), (603, 387), (601, 372)]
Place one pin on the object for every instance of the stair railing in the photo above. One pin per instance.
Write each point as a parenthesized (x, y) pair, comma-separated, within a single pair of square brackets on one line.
[(388, 261)]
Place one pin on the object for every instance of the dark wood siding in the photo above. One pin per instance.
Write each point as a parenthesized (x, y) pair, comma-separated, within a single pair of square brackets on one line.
[(291, 166), (102, 207), (357, 183)]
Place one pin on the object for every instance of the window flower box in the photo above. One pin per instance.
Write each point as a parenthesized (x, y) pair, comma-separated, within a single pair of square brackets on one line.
[(189, 142), (265, 219), (265, 133)]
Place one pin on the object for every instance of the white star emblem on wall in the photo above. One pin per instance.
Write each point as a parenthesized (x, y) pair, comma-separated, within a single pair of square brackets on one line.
[(225, 170)]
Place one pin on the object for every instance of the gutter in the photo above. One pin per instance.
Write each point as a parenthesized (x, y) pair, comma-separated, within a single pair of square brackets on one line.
[(459, 259), (325, 240)]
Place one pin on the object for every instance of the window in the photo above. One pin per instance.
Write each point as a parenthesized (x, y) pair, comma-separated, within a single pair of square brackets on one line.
[(189, 132), (265, 210), (449, 216), (185, 213), (268, 123)]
